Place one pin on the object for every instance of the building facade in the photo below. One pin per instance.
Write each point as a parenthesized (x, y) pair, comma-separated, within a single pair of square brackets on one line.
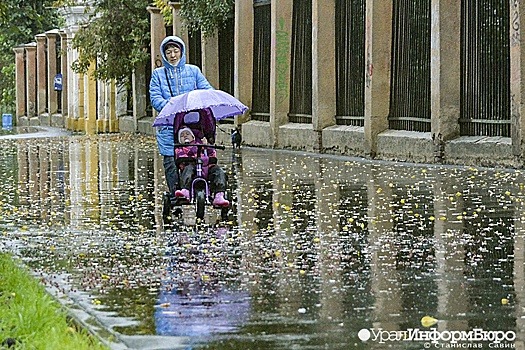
[(434, 82)]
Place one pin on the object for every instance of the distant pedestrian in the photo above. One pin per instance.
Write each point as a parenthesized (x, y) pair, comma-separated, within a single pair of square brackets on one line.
[(236, 138)]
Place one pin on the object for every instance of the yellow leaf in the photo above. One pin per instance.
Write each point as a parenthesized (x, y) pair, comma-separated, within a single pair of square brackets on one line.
[(428, 321)]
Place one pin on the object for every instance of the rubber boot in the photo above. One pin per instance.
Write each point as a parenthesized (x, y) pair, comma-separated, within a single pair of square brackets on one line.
[(220, 201), (184, 193)]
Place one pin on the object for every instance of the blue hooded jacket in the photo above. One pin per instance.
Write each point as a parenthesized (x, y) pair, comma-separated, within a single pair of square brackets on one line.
[(181, 78)]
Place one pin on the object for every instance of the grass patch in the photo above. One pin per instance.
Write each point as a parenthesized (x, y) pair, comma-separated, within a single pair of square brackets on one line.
[(31, 319)]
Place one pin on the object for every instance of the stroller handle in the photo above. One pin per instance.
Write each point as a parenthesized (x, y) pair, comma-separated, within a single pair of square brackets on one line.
[(200, 145)]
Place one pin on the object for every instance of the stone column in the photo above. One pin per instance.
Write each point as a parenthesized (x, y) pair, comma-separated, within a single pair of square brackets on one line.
[(178, 27), (31, 80), (445, 71), (517, 84), (112, 107), (75, 92), (243, 54), (52, 95), (139, 84), (102, 118), (78, 122), (90, 98), (323, 66), (210, 59), (72, 102), (41, 74), (158, 33), (64, 68), (378, 38), (281, 31), (20, 78)]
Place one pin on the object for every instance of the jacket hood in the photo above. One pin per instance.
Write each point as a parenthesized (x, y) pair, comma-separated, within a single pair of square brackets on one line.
[(178, 40)]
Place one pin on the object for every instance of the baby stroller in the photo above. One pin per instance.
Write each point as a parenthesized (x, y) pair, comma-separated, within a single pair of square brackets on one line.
[(200, 155)]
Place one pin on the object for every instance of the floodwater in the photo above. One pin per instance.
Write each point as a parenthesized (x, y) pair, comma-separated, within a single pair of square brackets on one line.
[(319, 252)]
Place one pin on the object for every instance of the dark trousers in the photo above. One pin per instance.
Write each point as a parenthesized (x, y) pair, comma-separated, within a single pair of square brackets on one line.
[(216, 177), (171, 173)]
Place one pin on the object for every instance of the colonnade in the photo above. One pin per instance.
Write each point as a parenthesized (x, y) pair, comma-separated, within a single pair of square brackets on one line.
[(50, 93)]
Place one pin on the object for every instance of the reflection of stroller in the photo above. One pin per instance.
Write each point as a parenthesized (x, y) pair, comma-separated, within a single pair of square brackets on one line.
[(207, 178)]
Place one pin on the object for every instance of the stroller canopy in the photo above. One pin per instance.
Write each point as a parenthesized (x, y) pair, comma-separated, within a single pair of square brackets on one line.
[(201, 122)]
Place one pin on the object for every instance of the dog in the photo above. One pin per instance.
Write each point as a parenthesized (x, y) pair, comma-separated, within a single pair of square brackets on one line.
[(236, 138)]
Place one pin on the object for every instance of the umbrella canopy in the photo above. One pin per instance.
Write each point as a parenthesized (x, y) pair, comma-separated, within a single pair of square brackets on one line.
[(222, 104)]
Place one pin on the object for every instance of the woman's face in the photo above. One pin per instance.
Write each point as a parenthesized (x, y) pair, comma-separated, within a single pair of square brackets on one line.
[(173, 54)]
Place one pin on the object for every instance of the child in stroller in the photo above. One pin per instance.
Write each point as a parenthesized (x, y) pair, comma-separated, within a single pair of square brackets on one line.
[(192, 129)]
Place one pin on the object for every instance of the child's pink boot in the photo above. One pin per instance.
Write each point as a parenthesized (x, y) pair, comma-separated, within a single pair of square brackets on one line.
[(184, 193), (220, 201)]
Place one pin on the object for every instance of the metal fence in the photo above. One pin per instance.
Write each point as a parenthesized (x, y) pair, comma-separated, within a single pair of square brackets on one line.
[(485, 68), (261, 62), (301, 63), (349, 61), (410, 78)]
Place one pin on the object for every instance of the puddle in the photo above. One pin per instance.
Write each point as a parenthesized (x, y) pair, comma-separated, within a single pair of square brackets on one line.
[(321, 252)]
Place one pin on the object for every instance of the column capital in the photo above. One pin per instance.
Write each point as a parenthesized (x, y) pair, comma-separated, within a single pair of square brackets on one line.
[(153, 9), (19, 50), (30, 46), (40, 37), (175, 4), (52, 33), (63, 34)]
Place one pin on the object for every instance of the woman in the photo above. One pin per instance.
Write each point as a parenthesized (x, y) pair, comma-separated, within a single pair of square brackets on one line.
[(176, 77)]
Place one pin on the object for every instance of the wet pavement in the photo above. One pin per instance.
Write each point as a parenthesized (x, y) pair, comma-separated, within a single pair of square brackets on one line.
[(319, 252)]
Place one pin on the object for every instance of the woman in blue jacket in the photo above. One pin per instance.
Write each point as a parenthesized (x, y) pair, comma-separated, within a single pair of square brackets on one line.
[(176, 77)]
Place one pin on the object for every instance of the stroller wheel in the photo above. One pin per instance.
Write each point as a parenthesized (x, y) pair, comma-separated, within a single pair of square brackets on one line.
[(224, 213), (166, 208), (200, 202)]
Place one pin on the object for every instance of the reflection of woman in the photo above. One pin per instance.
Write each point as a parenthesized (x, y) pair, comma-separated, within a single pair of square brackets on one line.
[(194, 301), (176, 77)]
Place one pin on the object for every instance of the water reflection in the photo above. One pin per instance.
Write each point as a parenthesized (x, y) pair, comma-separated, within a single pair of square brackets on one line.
[(318, 248)]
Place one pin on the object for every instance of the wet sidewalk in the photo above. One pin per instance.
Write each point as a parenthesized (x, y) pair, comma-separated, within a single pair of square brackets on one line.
[(319, 252)]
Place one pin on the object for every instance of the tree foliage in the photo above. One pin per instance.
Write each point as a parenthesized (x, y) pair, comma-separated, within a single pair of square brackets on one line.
[(20, 21), (116, 38), (165, 10), (206, 16)]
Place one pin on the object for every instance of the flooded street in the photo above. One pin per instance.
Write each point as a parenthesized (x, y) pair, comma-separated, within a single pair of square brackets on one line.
[(319, 252)]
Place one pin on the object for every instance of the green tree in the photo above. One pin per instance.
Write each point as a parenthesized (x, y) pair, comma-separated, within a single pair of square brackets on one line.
[(206, 16), (20, 21), (116, 37)]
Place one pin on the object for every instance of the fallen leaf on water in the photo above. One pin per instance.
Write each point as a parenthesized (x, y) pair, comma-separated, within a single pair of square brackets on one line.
[(428, 321)]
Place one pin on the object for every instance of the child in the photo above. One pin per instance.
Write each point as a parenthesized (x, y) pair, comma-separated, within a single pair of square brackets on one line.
[(185, 159)]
